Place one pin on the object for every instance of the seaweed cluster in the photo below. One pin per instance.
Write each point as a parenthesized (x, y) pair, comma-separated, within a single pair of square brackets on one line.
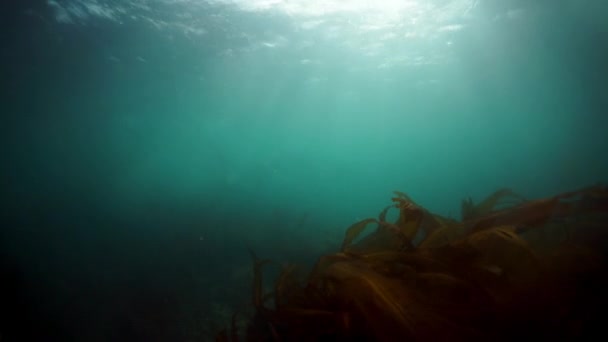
[(511, 268)]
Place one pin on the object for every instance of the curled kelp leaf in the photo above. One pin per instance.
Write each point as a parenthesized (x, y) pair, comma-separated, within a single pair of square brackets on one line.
[(354, 231), (402, 195), (382, 215), (410, 217), (469, 210), (415, 222)]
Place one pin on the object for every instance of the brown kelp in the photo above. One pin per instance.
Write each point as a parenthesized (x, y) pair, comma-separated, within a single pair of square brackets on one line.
[(491, 203), (512, 268)]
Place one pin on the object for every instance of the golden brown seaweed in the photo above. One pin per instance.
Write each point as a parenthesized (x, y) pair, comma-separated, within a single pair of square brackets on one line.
[(502, 251), (488, 205), (379, 299), (479, 279), (443, 236), (354, 231), (410, 218)]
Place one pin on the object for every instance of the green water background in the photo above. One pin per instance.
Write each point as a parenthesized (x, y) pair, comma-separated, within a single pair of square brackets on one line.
[(164, 138)]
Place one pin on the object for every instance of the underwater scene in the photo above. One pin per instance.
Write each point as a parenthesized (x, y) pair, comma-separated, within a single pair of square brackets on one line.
[(303, 170)]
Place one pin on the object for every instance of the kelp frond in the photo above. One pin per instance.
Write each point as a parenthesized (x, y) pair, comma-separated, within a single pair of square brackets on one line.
[(410, 218), (443, 236), (471, 211), (382, 215), (472, 280), (354, 231)]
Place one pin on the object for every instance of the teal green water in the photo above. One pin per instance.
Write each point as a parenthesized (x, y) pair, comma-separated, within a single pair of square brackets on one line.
[(273, 122), (323, 107), (329, 106)]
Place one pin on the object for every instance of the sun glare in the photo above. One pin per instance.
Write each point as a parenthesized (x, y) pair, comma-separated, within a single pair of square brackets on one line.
[(328, 7)]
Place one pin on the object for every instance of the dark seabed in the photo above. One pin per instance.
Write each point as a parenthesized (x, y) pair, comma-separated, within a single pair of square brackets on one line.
[(149, 147)]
